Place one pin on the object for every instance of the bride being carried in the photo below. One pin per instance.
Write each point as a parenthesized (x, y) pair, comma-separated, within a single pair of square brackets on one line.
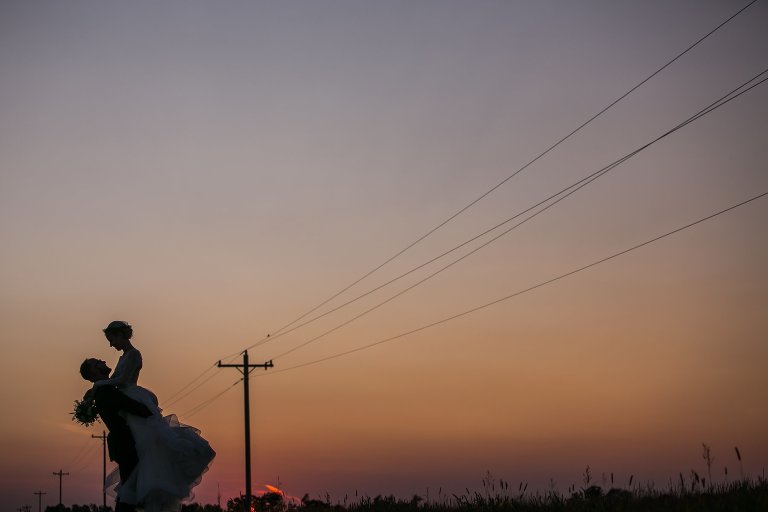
[(172, 457)]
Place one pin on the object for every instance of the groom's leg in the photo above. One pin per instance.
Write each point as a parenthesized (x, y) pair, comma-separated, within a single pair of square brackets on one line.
[(126, 495), (126, 465)]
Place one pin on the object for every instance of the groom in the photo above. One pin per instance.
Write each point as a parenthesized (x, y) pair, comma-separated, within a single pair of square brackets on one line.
[(122, 448)]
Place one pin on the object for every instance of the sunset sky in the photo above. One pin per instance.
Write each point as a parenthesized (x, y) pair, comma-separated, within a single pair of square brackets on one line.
[(211, 171)]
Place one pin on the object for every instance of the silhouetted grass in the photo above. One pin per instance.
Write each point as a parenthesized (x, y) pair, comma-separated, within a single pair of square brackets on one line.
[(743, 495), (685, 494), (688, 494)]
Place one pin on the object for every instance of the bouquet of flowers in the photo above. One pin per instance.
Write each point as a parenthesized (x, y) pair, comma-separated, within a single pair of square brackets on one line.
[(85, 412)]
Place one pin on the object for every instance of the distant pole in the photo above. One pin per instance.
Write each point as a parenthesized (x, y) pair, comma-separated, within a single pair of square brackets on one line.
[(39, 500), (103, 438), (246, 369), (60, 474)]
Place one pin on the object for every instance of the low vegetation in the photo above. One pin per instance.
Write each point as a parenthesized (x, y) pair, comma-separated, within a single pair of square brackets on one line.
[(690, 492)]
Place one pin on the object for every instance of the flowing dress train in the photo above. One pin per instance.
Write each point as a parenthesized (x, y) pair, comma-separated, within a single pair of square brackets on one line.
[(172, 456)]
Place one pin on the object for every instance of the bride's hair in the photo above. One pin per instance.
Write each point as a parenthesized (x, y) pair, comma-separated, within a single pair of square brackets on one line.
[(119, 327)]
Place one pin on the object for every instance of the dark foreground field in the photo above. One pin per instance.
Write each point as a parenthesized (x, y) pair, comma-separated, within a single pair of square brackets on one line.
[(746, 496), (693, 496)]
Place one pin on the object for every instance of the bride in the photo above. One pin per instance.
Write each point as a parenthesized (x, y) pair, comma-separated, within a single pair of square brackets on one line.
[(172, 456)]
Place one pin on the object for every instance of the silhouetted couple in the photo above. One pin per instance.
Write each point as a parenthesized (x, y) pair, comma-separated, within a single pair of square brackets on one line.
[(159, 459)]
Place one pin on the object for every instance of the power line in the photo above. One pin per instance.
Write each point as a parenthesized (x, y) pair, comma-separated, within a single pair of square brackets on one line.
[(545, 152), (186, 386), (86, 461), (571, 189), (518, 171), (170, 403), (529, 289), (85, 449), (170, 398), (199, 407)]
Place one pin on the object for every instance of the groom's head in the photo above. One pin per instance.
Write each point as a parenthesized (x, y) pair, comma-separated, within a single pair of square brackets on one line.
[(94, 369)]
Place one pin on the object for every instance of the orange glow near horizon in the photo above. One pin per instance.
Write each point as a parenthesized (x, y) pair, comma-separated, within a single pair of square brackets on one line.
[(273, 489)]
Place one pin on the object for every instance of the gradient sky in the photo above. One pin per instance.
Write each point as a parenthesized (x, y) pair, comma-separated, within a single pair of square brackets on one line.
[(209, 171)]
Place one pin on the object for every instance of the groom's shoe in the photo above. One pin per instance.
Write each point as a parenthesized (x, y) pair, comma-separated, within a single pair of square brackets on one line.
[(124, 507)]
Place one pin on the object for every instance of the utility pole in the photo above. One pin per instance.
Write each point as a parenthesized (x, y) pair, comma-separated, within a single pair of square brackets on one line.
[(246, 369), (39, 495), (60, 474), (103, 438)]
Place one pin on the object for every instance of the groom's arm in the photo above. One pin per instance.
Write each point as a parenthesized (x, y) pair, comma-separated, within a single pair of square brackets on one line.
[(117, 401)]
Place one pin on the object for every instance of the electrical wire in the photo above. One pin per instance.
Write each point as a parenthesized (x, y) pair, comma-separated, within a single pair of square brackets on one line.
[(272, 335), (86, 462), (525, 290), (85, 449), (182, 397), (83, 460), (199, 407), (170, 399), (193, 381), (571, 189)]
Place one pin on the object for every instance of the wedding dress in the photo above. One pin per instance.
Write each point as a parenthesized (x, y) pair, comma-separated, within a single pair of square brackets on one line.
[(172, 456)]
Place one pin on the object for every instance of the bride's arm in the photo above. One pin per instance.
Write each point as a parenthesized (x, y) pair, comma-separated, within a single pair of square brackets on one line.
[(127, 373)]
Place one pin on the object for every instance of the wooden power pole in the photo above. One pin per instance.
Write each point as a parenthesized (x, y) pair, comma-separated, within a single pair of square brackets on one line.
[(103, 438), (39, 495), (246, 369), (60, 474)]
